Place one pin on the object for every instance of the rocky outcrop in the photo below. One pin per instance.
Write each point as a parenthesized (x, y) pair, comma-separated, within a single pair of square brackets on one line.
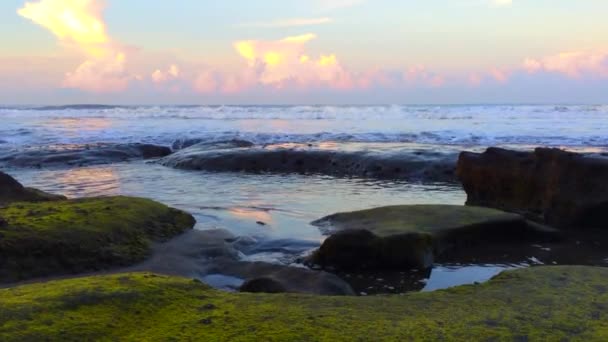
[(181, 144), (12, 191), (74, 236), (408, 165), (559, 188), (411, 236), (81, 155), (213, 256)]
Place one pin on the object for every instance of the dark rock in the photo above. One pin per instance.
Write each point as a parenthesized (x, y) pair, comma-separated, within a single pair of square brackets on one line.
[(411, 236), (559, 188), (12, 191), (210, 253), (234, 143), (263, 285), (409, 165), (80, 155)]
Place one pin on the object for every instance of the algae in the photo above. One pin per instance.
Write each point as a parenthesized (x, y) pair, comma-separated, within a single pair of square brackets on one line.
[(539, 304), (70, 236)]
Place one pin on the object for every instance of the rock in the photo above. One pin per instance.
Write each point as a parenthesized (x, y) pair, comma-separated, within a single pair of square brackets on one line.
[(202, 143), (12, 191), (263, 285), (81, 155), (74, 236), (559, 188), (538, 303), (411, 236), (411, 165), (212, 253)]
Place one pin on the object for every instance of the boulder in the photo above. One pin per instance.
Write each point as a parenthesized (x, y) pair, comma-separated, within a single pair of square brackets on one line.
[(12, 191), (411, 236), (215, 254), (81, 155), (304, 159), (558, 188), (73, 236)]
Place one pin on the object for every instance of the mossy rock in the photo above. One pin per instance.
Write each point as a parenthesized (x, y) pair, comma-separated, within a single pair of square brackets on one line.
[(12, 191), (63, 237), (410, 236), (565, 303)]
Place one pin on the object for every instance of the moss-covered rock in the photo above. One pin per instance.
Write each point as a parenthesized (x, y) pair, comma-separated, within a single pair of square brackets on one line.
[(12, 191), (537, 304), (62, 237), (409, 236)]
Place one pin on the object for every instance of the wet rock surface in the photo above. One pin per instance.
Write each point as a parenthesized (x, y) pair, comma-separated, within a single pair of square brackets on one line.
[(212, 256), (412, 236), (13, 191), (420, 165), (559, 188), (181, 144), (80, 155)]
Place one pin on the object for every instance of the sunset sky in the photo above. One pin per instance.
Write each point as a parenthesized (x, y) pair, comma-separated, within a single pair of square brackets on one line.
[(303, 51)]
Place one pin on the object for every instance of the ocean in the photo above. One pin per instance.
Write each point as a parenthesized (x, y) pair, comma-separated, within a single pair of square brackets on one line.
[(279, 207)]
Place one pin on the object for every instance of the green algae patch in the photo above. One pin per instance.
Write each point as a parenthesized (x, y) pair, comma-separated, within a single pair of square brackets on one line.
[(536, 304), (410, 236), (400, 219), (71, 236)]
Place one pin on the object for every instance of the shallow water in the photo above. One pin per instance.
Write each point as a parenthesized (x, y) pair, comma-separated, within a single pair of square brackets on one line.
[(277, 209)]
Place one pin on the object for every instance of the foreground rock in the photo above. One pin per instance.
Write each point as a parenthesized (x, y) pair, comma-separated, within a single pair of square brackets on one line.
[(536, 304), (410, 236), (559, 188), (214, 256), (409, 165), (81, 155), (72, 236), (12, 191)]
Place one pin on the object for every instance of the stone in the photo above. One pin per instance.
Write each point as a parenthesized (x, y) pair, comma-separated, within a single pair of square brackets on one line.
[(302, 159), (555, 187), (411, 236), (13, 191), (81, 155)]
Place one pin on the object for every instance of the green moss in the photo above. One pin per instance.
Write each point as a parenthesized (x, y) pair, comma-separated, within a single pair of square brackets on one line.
[(391, 220), (537, 304), (49, 238)]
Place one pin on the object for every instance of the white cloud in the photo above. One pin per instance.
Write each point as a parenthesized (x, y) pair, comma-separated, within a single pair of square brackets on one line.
[(293, 22)]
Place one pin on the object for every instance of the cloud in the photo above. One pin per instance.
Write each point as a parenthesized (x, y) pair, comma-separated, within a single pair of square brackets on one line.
[(100, 75), (293, 22), (79, 23), (172, 73), (572, 64), (336, 4)]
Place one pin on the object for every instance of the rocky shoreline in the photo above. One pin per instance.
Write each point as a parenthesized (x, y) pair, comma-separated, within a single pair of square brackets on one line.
[(515, 199)]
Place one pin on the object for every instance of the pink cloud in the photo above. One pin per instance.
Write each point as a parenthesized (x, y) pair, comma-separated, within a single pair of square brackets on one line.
[(571, 64), (100, 75)]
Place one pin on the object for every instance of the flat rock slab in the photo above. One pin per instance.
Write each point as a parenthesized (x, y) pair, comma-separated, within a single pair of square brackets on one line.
[(298, 158), (81, 155), (559, 188), (534, 304), (410, 236), (74, 236)]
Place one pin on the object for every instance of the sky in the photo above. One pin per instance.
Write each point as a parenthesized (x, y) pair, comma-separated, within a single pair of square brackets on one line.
[(303, 51)]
